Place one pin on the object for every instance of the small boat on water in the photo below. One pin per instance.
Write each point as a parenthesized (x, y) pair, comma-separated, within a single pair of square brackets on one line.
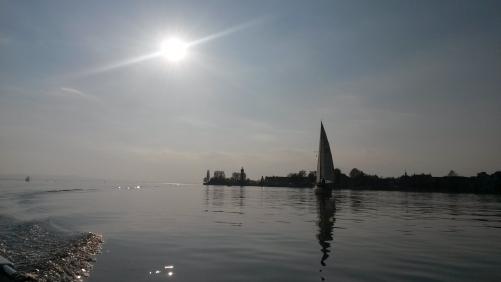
[(27, 179), (325, 166)]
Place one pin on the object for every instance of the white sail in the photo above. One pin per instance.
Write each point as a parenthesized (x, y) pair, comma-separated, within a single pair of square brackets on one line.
[(325, 166)]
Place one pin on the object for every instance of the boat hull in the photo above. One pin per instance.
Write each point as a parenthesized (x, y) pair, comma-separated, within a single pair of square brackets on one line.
[(324, 189)]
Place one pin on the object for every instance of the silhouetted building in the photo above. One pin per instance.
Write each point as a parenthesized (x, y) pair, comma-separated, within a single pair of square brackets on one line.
[(219, 174), (235, 176), (207, 177), (242, 175)]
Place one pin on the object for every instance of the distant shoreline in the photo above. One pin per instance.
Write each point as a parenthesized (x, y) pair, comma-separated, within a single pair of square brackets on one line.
[(483, 183)]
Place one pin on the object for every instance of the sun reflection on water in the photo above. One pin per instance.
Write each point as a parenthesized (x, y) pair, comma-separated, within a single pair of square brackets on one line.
[(166, 272)]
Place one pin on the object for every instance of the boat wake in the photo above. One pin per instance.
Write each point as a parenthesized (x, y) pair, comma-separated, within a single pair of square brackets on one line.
[(43, 252)]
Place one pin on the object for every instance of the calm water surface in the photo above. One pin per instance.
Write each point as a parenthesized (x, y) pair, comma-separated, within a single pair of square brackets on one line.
[(163, 232)]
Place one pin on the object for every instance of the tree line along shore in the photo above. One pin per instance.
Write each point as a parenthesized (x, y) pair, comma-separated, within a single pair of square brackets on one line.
[(482, 183)]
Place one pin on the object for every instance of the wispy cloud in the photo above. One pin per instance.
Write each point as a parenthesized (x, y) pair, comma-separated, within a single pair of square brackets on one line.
[(78, 93)]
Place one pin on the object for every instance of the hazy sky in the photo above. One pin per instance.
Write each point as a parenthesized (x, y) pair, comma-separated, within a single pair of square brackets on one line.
[(412, 85)]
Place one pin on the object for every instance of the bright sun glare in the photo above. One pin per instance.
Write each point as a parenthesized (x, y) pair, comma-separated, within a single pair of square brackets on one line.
[(174, 49)]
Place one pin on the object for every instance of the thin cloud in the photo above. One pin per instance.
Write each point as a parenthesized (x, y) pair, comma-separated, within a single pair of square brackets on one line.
[(78, 93)]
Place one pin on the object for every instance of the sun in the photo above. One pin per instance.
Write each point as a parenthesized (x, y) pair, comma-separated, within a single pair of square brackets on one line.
[(174, 49)]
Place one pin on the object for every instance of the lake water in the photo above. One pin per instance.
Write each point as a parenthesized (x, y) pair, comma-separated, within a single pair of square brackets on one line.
[(164, 232)]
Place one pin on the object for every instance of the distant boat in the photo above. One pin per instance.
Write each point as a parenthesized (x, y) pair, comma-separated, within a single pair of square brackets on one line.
[(27, 179), (325, 166)]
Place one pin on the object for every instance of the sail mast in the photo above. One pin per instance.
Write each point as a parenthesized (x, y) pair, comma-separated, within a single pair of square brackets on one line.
[(320, 155)]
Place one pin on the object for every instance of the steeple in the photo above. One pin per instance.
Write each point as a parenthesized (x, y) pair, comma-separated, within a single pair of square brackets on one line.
[(242, 176)]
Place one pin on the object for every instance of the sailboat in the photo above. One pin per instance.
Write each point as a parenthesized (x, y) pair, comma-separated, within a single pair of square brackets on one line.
[(325, 166)]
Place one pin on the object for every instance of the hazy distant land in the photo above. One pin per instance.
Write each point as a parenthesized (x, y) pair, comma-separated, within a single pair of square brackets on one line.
[(357, 179)]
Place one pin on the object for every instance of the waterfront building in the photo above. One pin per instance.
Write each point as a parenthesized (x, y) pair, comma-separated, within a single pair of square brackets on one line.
[(243, 177), (235, 176), (219, 174), (207, 177)]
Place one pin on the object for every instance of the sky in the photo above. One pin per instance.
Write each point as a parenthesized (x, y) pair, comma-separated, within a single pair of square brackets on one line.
[(400, 86)]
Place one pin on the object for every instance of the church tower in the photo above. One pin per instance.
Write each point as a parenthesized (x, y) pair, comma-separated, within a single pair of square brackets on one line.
[(242, 176)]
